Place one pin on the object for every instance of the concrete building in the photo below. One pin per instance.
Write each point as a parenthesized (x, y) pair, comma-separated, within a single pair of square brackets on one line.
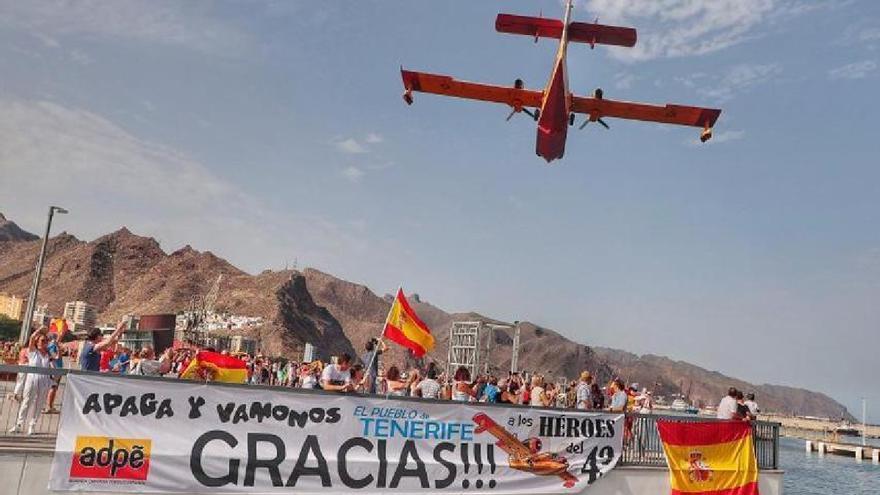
[(240, 343), (82, 314), (41, 315), (12, 306)]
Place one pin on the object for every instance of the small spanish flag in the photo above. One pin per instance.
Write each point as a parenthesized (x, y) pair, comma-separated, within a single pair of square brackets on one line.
[(710, 458), (404, 327), (58, 326), (216, 367)]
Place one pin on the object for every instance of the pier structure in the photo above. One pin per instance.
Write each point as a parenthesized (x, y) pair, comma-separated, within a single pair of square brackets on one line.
[(859, 452)]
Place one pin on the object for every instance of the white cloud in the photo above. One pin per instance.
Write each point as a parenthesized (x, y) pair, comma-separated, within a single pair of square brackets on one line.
[(352, 173), (355, 146), (736, 79), (624, 80), (351, 145), (855, 70), (108, 178), (167, 23), (675, 28)]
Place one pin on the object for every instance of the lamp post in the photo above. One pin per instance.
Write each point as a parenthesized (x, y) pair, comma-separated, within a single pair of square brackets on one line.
[(32, 300)]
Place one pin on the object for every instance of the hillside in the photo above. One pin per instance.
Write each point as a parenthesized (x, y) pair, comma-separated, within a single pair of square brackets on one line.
[(124, 273), (9, 231)]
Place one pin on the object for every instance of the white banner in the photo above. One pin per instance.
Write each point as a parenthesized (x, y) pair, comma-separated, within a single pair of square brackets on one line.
[(147, 436)]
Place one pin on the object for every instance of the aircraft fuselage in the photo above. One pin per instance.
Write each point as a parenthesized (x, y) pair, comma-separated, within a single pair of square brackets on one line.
[(556, 104)]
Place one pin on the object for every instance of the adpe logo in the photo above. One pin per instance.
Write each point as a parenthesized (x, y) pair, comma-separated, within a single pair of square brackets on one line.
[(109, 458)]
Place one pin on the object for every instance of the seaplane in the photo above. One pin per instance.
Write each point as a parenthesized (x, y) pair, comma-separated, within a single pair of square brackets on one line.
[(555, 107), (526, 455)]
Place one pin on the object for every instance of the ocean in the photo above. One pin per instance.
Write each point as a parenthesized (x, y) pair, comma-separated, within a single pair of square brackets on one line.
[(809, 474)]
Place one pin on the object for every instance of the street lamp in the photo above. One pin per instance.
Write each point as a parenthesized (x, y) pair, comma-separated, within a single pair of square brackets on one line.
[(32, 300)]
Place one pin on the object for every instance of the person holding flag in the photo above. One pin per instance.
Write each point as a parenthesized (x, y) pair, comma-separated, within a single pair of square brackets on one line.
[(402, 326)]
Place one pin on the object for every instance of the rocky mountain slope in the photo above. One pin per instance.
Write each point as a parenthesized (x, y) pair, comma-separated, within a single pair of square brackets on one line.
[(124, 273), (9, 231)]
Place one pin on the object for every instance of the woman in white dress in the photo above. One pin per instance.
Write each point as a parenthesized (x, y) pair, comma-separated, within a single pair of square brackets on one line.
[(36, 385)]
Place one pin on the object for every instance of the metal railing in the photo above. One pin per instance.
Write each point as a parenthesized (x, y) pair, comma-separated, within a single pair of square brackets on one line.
[(641, 448)]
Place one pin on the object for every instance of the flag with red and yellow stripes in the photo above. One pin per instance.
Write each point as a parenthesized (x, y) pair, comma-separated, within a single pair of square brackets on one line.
[(710, 458), (404, 327), (213, 366)]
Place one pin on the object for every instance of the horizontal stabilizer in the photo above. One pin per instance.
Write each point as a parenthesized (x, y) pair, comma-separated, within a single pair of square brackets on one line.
[(530, 26), (599, 34), (580, 32)]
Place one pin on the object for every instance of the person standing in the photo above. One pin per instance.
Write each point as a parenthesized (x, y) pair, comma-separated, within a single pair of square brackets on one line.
[(374, 347), (583, 399), (337, 377), (727, 406), (598, 397), (90, 357), (429, 388), (36, 385), (536, 395), (619, 397), (752, 405), (395, 385), (58, 362), (462, 390)]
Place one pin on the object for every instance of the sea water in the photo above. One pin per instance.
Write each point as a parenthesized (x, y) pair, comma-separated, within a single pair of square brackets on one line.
[(810, 474)]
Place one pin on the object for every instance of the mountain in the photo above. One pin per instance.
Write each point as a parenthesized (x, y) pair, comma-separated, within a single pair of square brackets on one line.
[(9, 231), (123, 273)]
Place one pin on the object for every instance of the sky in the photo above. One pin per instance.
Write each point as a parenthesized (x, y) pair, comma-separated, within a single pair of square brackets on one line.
[(274, 133)]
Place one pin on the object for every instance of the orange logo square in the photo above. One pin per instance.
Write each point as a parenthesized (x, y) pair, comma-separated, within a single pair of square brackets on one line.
[(109, 458)]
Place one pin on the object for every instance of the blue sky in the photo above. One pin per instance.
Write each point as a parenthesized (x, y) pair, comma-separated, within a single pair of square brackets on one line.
[(274, 132)]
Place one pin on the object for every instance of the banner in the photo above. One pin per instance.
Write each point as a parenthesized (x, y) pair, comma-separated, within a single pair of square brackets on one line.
[(160, 436)]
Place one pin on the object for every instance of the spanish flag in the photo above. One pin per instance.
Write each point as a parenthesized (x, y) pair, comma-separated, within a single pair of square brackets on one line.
[(404, 327), (216, 367), (58, 326), (710, 458)]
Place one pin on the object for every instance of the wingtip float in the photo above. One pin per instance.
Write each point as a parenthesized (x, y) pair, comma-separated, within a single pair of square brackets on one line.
[(555, 107)]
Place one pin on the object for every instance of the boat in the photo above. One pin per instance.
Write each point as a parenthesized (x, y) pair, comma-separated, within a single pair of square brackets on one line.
[(848, 430)]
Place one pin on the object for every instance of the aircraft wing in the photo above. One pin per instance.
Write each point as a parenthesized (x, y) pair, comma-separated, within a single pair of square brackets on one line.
[(448, 86), (507, 442), (665, 114)]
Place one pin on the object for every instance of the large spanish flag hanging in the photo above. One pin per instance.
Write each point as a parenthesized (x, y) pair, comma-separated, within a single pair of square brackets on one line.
[(216, 367), (710, 458), (404, 327)]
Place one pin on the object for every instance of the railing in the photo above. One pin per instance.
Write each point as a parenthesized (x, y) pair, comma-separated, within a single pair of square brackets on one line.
[(645, 449), (642, 448)]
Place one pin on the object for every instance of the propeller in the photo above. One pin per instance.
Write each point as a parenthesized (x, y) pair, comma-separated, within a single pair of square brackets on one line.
[(599, 120), (534, 115)]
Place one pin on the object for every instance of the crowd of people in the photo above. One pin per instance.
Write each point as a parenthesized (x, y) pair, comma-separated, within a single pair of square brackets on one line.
[(367, 375)]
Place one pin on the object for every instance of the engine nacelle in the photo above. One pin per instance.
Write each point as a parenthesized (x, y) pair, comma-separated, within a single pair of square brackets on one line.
[(533, 444), (706, 135)]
